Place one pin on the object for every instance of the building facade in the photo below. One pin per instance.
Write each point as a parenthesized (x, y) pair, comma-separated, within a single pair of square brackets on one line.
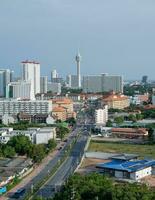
[(43, 84), (20, 89), (5, 79), (102, 83), (101, 115), (54, 87), (31, 72), (116, 101), (13, 107)]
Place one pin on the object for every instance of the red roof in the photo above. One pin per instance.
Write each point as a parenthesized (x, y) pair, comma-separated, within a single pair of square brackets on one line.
[(31, 62)]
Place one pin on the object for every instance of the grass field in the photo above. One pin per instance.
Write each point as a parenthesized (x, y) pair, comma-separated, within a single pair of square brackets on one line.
[(141, 150)]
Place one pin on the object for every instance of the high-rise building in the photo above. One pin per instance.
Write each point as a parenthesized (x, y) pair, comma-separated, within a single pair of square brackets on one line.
[(20, 89), (5, 78), (55, 88), (31, 72), (78, 60), (144, 79), (74, 81), (55, 77), (54, 74), (43, 84), (101, 115), (102, 83)]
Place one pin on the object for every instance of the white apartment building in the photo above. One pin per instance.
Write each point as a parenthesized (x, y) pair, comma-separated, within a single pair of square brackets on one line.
[(20, 90), (31, 72), (13, 107), (102, 83), (101, 115), (36, 135)]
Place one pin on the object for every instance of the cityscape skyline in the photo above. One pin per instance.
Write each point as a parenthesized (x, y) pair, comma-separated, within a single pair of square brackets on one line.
[(115, 44)]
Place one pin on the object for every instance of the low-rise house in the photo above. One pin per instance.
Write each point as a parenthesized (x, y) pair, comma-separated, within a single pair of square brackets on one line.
[(116, 101), (134, 170), (36, 135), (132, 133)]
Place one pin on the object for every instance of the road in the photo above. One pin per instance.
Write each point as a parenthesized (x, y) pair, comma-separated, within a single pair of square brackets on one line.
[(67, 168), (51, 164)]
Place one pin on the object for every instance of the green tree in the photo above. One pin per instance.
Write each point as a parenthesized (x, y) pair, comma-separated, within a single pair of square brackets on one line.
[(151, 135), (62, 131), (38, 152), (21, 143), (8, 151), (109, 123), (51, 144), (119, 120), (132, 118)]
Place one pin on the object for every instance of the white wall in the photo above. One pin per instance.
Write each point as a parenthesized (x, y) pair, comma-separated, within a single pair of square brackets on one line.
[(141, 174)]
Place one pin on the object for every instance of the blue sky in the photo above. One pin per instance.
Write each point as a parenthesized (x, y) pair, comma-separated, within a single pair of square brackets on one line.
[(115, 37)]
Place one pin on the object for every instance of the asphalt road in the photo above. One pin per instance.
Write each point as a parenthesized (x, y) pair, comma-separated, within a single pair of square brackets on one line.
[(67, 168), (50, 165)]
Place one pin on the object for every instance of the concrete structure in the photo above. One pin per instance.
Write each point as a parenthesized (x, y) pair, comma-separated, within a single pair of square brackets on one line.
[(7, 119), (59, 113), (54, 74), (31, 72), (43, 84), (45, 134), (73, 81), (20, 90), (55, 88), (5, 78), (13, 107), (78, 60), (139, 99), (116, 101), (130, 133), (102, 83), (63, 109), (101, 115), (68, 81), (122, 169), (65, 103), (36, 135)]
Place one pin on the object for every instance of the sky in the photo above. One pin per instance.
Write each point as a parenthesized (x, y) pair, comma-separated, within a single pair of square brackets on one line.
[(115, 37)]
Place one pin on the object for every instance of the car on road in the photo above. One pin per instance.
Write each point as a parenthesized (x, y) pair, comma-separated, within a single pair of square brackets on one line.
[(59, 148), (19, 193)]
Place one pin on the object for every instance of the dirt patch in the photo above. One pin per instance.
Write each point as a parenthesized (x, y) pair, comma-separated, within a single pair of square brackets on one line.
[(91, 162), (149, 180)]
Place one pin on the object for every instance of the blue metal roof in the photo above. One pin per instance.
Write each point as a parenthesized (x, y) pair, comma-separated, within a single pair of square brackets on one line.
[(129, 166)]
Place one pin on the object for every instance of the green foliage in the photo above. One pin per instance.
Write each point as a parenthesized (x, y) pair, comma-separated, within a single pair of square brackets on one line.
[(51, 144), (71, 121), (21, 143), (38, 152), (140, 89), (109, 123), (62, 131), (151, 135), (8, 151), (65, 90), (119, 120), (132, 118), (96, 186)]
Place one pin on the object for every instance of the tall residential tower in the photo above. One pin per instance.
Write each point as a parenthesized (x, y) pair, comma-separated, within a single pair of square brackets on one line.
[(31, 72)]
